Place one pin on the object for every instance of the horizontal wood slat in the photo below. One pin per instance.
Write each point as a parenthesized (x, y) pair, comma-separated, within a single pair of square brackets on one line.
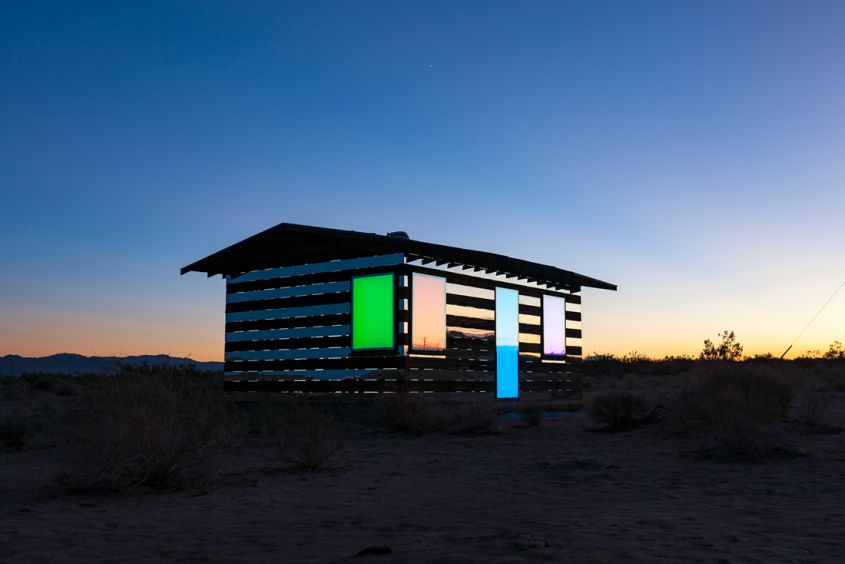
[(287, 344), (307, 279), (374, 362), (311, 321)]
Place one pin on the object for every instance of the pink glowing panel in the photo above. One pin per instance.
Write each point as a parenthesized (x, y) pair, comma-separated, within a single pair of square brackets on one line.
[(554, 326), (428, 313)]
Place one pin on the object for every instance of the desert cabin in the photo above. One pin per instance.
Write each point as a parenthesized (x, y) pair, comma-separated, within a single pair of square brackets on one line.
[(319, 310)]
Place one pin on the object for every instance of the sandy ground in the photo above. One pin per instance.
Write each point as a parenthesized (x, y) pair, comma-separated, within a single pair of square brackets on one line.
[(548, 493)]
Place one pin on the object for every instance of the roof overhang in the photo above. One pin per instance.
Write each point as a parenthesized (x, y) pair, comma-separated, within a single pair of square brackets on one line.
[(290, 244)]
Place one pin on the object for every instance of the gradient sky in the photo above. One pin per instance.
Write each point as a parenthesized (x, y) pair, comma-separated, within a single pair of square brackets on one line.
[(691, 152)]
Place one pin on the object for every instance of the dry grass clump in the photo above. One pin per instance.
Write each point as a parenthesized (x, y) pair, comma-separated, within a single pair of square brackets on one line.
[(620, 410), (740, 439), (736, 405), (68, 387), (814, 412), (415, 413), (830, 372), (815, 408), (307, 438), (302, 436), (468, 418), (406, 413), (761, 394), (146, 430), (14, 432)]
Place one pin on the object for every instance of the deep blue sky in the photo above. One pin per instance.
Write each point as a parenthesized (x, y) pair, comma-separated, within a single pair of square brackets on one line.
[(691, 152)]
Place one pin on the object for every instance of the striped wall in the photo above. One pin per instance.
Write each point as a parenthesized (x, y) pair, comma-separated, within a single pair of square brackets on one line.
[(295, 321), (291, 326)]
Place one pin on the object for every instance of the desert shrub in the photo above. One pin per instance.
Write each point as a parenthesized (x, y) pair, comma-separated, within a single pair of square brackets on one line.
[(415, 413), (471, 418), (307, 437), (740, 439), (637, 363), (15, 391), (406, 413), (671, 365), (830, 372), (815, 408), (41, 382), (262, 417), (601, 364), (735, 406), (728, 349), (14, 432), (66, 388), (835, 352), (146, 430), (758, 392), (619, 409)]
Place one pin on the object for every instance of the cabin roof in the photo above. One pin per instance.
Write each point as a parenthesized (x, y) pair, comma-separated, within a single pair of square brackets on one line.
[(289, 244)]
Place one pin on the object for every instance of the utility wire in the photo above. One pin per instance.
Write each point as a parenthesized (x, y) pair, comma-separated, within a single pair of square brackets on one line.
[(821, 309)]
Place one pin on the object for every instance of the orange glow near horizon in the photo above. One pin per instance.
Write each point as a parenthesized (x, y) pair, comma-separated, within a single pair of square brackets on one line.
[(38, 333), (613, 323)]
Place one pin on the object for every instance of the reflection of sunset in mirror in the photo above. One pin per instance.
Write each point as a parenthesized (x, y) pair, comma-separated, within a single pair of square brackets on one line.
[(554, 326), (428, 315)]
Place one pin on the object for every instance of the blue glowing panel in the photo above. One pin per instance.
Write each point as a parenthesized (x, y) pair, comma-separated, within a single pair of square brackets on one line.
[(507, 343), (554, 326)]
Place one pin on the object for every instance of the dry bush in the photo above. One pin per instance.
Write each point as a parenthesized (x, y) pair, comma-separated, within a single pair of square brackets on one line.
[(830, 372), (415, 413), (619, 410), (14, 432), (263, 417), (761, 393), (735, 405), (307, 438), (15, 391), (68, 387), (815, 408), (740, 439), (147, 429), (44, 382), (406, 413), (672, 365), (468, 418)]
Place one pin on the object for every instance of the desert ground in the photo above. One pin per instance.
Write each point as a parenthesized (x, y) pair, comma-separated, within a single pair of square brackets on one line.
[(507, 487)]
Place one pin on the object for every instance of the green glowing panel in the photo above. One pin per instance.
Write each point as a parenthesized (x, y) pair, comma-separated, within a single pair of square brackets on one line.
[(372, 312)]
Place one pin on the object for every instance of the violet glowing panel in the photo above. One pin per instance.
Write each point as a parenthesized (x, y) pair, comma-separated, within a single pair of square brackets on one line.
[(428, 313), (554, 326)]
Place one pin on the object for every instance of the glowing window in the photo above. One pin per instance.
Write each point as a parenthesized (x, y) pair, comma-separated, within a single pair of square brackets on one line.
[(428, 313), (507, 343), (372, 312), (554, 326)]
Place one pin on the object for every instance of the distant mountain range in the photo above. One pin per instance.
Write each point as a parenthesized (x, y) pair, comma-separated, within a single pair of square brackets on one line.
[(66, 363)]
